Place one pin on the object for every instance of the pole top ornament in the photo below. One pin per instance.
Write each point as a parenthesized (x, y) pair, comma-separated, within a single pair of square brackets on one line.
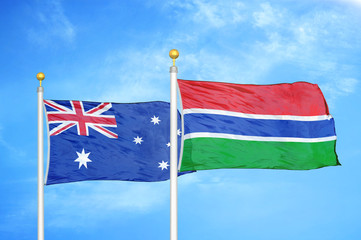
[(173, 54), (40, 76)]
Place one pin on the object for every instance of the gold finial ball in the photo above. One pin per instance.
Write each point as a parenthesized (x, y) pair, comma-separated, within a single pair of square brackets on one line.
[(40, 76), (173, 53)]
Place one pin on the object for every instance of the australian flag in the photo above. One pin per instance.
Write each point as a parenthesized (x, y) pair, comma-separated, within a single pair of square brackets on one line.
[(108, 141)]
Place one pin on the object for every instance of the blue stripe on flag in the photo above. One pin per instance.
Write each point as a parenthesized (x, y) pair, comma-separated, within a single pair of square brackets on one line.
[(257, 127)]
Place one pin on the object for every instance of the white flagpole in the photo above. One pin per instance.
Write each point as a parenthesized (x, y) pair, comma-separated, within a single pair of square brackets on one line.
[(40, 76), (173, 148)]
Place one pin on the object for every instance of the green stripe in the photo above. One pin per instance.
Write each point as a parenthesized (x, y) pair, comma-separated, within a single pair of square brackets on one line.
[(214, 153)]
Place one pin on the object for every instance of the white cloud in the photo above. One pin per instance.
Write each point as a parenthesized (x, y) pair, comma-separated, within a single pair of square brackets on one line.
[(53, 24), (304, 34), (14, 151), (227, 189), (352, 2), (268, 16), (134, 76), (304, 41), (215, 14), (91, 202), (308, 42), (21, 218), (338, 87), (218, 15), (348, 85), (122, 75)]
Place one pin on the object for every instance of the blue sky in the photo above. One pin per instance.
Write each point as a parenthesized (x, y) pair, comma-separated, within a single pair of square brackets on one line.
[(118, 51)]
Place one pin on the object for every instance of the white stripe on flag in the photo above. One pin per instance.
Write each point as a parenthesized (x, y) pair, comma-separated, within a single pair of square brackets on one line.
[(257, 116), (257, 138)]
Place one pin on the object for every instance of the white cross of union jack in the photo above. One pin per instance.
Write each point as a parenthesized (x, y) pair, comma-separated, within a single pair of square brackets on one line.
[(76, 116)]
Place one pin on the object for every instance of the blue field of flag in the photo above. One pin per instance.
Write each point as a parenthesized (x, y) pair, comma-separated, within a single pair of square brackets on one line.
[(108, 141)]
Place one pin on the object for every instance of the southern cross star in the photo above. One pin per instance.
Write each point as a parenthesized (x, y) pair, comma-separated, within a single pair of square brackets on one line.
[(83, 159), (163, 165), (138, 140), (155, 120)]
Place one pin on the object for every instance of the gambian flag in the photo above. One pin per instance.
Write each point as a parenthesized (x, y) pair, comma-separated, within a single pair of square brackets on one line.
[(280, 126)]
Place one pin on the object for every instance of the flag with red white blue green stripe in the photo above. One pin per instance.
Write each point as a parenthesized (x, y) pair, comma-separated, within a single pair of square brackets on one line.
[(280, 126)]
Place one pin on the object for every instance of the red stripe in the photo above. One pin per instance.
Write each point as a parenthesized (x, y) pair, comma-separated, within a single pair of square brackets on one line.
[(101, 106), (107, 131), (64, 117), (299, 99), (79, 116), (62, 129), (53, 106)]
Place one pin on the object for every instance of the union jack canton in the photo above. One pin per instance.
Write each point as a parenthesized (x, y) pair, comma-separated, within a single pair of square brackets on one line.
[(77, 116)]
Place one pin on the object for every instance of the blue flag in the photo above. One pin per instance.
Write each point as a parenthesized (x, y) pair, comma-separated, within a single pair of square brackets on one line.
[(108, 141)]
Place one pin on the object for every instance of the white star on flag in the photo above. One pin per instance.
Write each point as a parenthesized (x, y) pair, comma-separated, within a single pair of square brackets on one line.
[(138, 140), (155, 120), (163, 165), (168, 144), (83, 159), (179, 132)]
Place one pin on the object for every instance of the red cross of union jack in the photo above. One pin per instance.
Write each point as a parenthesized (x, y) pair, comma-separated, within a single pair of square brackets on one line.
[(76, 116)]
